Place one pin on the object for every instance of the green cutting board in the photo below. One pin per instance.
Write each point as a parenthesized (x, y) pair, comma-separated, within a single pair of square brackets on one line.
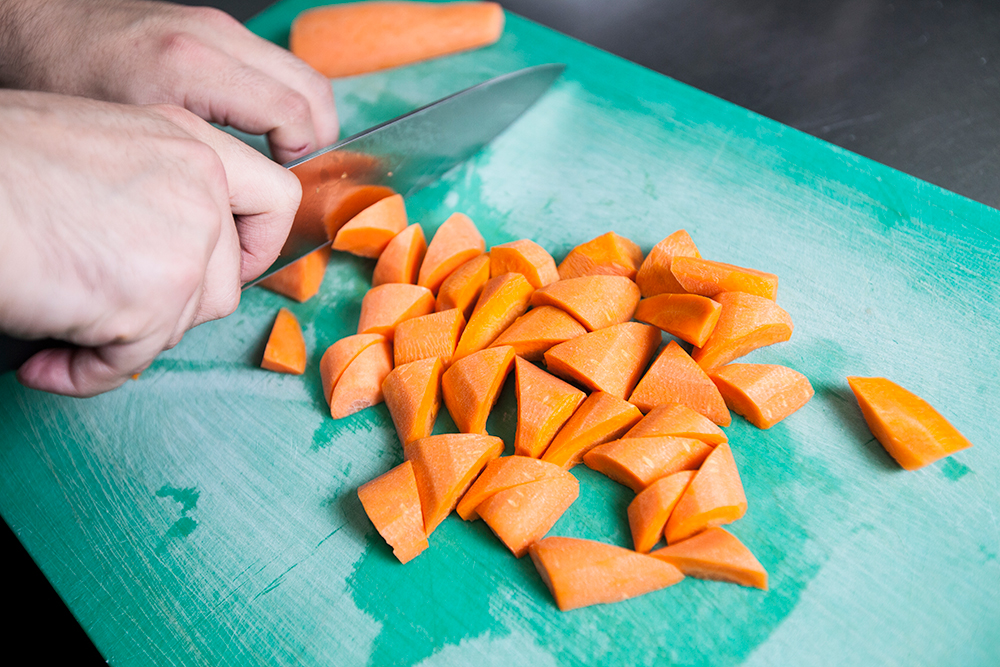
[(206, 513)]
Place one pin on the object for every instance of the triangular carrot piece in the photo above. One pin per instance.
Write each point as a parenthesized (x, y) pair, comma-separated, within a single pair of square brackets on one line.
[(412, 392), (716, 554), (600, 418), (675, 378), (606, 255), (301, 279), (762, 393), (500, 474), (747, 322), (649, 510), (690, 317), (679, 421), (638, 462), (347, 200), (360, 385), (544, 403), (521, 515), (392, 503), (714, 497), (433, 335), (610, 359), (285, 351), (369, 232), (462, 288), (400, 261), (456, 241), (525, 257), (503, 299), (472, 385), (532, 334), (654, 275), (385, 306), (596, 301), (338, 357), (708, 278)]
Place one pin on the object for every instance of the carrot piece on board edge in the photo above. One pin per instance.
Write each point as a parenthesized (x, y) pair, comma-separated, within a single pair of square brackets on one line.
[(717, 554), (714, 497), (392, 503), (286, 349), (301, 279), (763, 394)]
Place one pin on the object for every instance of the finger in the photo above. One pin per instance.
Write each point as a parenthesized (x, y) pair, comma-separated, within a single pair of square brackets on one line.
[(87, 371)]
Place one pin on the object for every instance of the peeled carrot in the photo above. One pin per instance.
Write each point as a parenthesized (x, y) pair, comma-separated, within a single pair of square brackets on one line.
[(533, 333), (525, 257), (360, 385), (400, 261), (301, 279), (680, 421), (500, 474), (472, 385), (608, 255), (369, 232), (521, 515), (385, 306), (638, 462), (580, 573), (347, 200), (764, 394), (654, 275), (717, 554), (690, 317), (596, 301), (600, 418), (544, 403), (747, 322), (649, 510), (339, 356), (392, 503), (913, 432), (714, 497), (462, 288), (708, 278), (433, 335), (286, 350), (412, 392), (675, 378), (356, 38), (503, 299), (610, 359), (455, 242)]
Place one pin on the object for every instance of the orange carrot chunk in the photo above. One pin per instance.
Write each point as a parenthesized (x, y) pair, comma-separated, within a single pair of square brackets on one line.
[(472, 385), (764, 394), (596, 301), (338, 357), (913, 432), (680, 421), (301, 279), (638, 462), (648, 512), (714, 497), (392, 503), (356, 38), (544, 403), (600, 418), (675, 378), (500, 474), (525, 257), (610, 359), (708, 278), (412, 392), (369, 232), (286, 350), (385, 306), (444, 467), (455, 242), (654, 275), (503, 300), (521, 515), (463, 286), (349, 200), (360, 385), (747, 322), (400, 261), (717, 554), (433, 335), (606, 255), (690, 317), (580, 573), (532, 334)]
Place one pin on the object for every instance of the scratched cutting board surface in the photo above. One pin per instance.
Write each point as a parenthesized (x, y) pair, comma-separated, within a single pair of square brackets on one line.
[(207, 514)]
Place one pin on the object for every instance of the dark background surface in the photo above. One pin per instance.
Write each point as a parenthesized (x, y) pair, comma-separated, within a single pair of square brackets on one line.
[(914, 84)]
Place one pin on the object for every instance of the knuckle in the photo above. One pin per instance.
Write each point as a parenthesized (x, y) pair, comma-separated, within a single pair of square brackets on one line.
[(294, 106), (180, 47), (215, 18)]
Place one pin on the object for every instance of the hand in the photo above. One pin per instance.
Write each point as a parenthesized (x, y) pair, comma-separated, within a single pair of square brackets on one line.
[(158, 53), (117, 231)]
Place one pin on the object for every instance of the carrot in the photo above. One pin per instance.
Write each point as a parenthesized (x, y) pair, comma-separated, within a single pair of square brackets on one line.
[(544, 403), (913, 432), (433, 335), (521, 515), (360, 385), (654, 275), (708, 278), (412, 392), (690, 317), (580, 573), (400, 261), (472, 385), (747, 322), (638, 462), (345, 200), (649, 510), (462, 288), (301, 279), (607, 255), (370, 231), (532, 334), (764, 394), (675, 378), (680, 421), (715, 554), (286, 350), (610, 359), (444, 467), (713, 498), (600, 418), (500, 474), (455, 242), (525, 257), (503, 299), (596, 301), (392, 503), (356, 38), (339, 356), (385, 306)]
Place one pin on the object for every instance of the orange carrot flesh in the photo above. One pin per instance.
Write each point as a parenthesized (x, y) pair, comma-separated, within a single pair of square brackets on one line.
[(338, 357), (580, 573), (716, 554), (544, 403), (606, 255), (433, 335), (521, 515), (444, 467), (649, 510), (455, 242), (356, 38), (472, 385), (525, 257), (708, 278), (360, 385), (503, 300), (690, 317), (638, 462), (747, 322), (412, 392), (600, 418), (675, 378), (349, 201), (463, 286), (392, 503), (609, 360), (385, 306), (534, 333), (286, 349), (679, 421), (369, 232), (301, 279), (714, 497), (501, 474), (400, 261), (596, 301), (654, 275), (913, 432), (763, 394)]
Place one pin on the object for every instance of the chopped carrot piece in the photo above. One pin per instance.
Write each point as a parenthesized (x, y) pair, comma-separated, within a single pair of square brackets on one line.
[(747, 322), (301, 279), (764, 394), (675, 378), (444, 467), (544, 403), (286, 350), (412, 392), (348, 201), (387, 305), (606, 255), (356, 38), (433, 335), (521, 515), (525, 257), (503, 300), (472, 385), (716, 554), (690, 317), (596, 301), (678, 420), (638, 462), (400, 261), (504, 473), (649, 510), (462, 288), (913, 432), (532, 334), (369, 232), (708, 278), (580, 573), (392, 503), (610, 359), (360, 385), (456, 241), (654, 275), (714, 497), (600, 418), (339, 356)]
